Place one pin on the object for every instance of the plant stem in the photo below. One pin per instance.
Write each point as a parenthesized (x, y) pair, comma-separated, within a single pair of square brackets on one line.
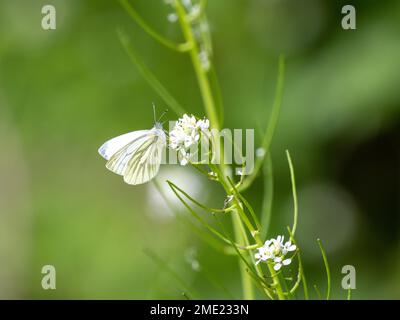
[(208, 100), (201, 74), (209, 105), (247, 285), (276, 283)]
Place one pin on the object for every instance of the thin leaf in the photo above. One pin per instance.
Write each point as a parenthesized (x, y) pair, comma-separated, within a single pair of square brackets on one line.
[(206, 237), (204, 207), (328, 272), (219, 103), (300, 274), (272, 123), (318, 292), (243, 214), (150, 31), (260, 282), (266, 210), (149, 76), (293, 181), (196, 216)]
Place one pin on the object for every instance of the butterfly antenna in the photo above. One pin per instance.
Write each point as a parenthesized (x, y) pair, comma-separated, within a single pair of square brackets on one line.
[(162, 115)]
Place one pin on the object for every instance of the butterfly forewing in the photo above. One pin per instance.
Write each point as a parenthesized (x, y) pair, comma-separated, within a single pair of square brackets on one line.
[(110, 147), (139, 160)]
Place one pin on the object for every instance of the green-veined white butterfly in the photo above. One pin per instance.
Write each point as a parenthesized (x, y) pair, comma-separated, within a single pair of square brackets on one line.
[(135, 155)]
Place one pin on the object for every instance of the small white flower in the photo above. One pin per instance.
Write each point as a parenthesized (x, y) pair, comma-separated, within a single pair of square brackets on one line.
[(275, 250), (204, 60), (260, 152), (193, 12), (203, 124), (288, 247), (172, 17), (187, 3), (263, 255), (186, 134)]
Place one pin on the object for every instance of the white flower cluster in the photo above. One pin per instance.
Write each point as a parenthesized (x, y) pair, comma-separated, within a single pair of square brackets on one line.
[(275, 250), (185, 135)]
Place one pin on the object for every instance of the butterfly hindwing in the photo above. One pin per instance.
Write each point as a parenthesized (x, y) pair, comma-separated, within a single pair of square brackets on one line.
[(144, 165), (139, 160)]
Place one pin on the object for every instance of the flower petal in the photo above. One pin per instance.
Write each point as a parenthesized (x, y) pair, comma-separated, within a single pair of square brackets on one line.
[(277, 266), (286, 262)]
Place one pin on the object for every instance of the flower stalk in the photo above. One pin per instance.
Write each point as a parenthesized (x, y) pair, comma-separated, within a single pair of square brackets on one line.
[(189, 131)]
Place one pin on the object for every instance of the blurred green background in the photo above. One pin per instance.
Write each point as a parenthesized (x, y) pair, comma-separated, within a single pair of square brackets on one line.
[(64, 92)]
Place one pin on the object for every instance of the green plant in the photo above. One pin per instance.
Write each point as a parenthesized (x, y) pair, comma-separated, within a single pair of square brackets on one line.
[(262, 263)]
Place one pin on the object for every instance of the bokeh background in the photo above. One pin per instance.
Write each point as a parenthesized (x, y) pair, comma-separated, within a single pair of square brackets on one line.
[(64, 92)]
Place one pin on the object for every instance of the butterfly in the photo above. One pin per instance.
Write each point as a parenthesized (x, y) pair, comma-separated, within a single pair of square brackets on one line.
[(136, 155)]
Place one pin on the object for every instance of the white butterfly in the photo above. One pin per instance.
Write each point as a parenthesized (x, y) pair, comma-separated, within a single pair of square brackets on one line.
[(135, 155)]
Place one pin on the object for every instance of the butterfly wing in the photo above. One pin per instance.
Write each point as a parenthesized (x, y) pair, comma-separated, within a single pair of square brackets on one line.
[(139, 160), (110, 147)]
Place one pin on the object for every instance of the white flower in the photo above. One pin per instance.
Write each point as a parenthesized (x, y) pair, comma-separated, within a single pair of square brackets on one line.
[(275, 250), (263, 254), (203, 124), (279, 263), (186, 134), (260, 152), (172, 17), (204, 60), (187, 4), (288, 247)]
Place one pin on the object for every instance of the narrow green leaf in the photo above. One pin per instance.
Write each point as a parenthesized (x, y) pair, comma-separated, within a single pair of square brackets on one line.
[(294, 192), (204, 207), (328, 272), (150, 31), (272, 123), (318, 292), (149, 76), (219, 103), (201, 233), (301, 274), (196, 216), (243, 215), (266, 210), (259, 281)]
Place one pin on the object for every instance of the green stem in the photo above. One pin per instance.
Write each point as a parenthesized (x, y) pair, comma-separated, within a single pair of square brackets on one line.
[(209, 104), (201, 74), (276, 282), (247, 285)]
